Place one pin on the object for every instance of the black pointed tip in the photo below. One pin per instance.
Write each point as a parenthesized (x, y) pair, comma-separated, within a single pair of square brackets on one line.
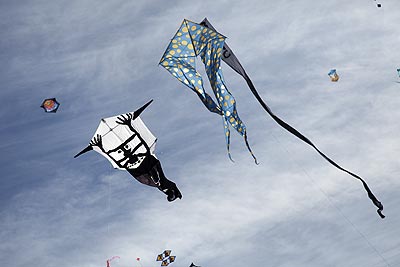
[(381, 214), (86, 149), (140, 110)]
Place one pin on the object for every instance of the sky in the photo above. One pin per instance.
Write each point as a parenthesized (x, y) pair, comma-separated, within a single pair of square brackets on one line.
[(100, 59)]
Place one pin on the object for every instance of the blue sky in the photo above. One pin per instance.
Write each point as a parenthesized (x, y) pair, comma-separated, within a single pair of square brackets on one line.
[(100, 59)]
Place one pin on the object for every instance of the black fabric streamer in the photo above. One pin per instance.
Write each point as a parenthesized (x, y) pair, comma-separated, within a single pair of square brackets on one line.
[(234, 63), (293, 131)]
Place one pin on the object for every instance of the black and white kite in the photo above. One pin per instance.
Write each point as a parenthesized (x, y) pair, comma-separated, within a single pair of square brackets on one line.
[(129, 145)]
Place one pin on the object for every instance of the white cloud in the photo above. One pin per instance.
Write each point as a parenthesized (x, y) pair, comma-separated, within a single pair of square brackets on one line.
[(100, 59)]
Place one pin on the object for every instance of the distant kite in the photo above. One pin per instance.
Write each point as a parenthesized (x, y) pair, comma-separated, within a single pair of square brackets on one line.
[(112, 258), (333, 75), (165, 258), (50, 105), (129, 145), (377, 4)]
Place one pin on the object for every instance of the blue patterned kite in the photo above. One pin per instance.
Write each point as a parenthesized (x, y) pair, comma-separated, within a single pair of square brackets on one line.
[(194, 40), (203, 40)]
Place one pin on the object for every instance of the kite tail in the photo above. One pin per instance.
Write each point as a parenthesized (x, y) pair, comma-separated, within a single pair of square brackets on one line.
[(296, 133), (371, 196), (227, 137), (248, 147), (228, 147), (229, 155)]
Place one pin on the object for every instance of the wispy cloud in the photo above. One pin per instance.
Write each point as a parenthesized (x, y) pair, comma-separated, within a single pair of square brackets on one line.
[(100, 59)]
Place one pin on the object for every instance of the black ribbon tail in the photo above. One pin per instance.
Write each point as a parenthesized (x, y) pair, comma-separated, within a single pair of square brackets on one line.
[(296, 133), (248, 147)]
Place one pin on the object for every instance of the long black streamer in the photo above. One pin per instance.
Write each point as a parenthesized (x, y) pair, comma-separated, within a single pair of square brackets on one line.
[(234, 63), (295, 132)]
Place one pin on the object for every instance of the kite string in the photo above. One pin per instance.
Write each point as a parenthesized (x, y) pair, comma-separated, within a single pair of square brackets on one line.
[(109, 183), (108, 208), (331, 202)]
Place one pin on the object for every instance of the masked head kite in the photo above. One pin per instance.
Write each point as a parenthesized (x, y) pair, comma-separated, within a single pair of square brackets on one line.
[(129, 145), (50, 105), (192, 40)]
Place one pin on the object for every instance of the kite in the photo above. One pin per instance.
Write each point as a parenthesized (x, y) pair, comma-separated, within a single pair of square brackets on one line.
[(129, 145), (179, 60), (138, 259), (398, 73), (109, 260), (165, 258), (333, 75), (194, 40), (193, 265), (377, 4), (50, 105)]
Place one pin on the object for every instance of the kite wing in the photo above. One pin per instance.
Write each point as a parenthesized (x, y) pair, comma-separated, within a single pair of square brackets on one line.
[(190, 41), (167, 253), (171, 259), (229, 57)]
